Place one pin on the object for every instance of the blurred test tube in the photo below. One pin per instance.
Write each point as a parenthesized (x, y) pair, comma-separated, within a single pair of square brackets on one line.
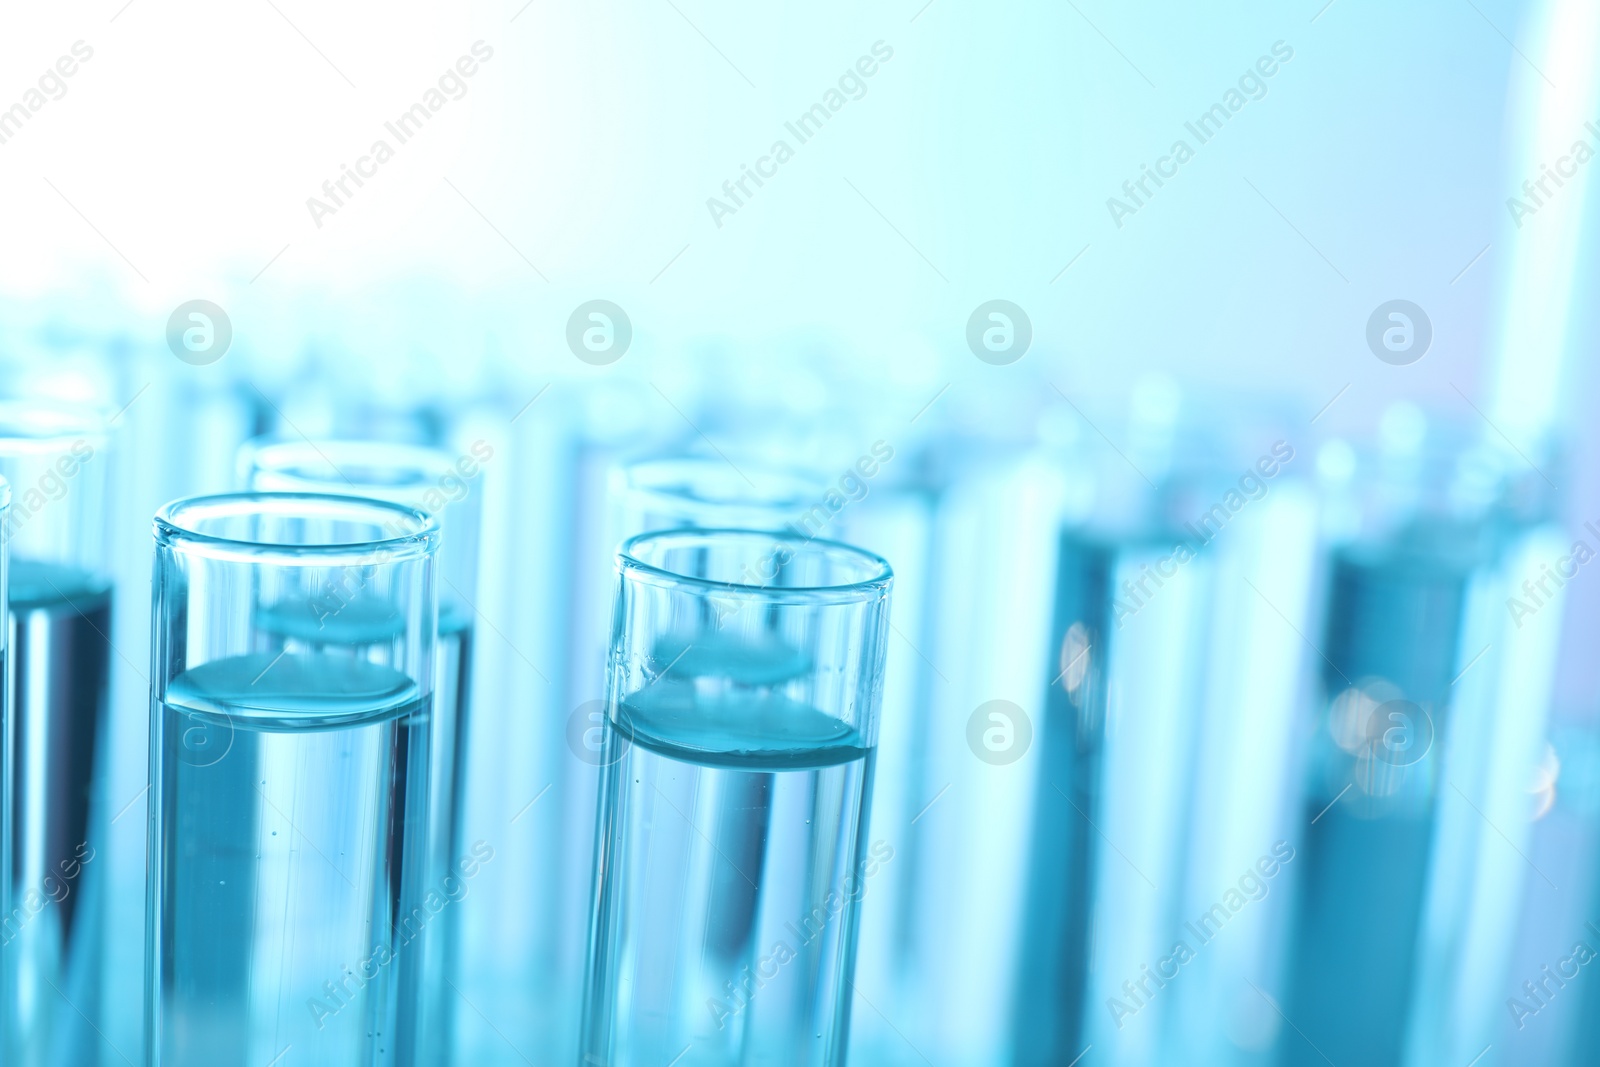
[(441, 486), (865, 493), (1164, 736), (1429, 719), (970, 521), (544, 507), (58, 743)]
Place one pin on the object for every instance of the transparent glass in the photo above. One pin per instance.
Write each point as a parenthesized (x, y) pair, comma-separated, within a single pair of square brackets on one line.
[(1158, 737), (1427, 725), (654, 494), (1116, 742), (290, 751), (675, 493), (712, 494), (741, 725), (526, 923), (60, 598), (973, 524), (443, 488)]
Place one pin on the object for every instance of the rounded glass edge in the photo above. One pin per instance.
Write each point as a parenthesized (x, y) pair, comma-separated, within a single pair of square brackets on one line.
[(270, 457), (648, 478), (45, 427), (171, 531), (865, 589)]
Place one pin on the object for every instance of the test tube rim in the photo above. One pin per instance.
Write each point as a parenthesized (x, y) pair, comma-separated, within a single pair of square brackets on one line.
[(171, 531), (633, 478), (257, 458), (46, 427), (867, 589)]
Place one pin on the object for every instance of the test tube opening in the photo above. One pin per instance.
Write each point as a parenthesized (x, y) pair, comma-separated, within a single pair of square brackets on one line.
[(290, 758), (746, 676)]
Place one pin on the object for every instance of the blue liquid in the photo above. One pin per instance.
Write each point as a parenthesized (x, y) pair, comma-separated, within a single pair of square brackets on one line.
[(441, 968), (52, 931), (292, 792), (365, 621), (1352, 952), (731, 864), (1049, 1025)]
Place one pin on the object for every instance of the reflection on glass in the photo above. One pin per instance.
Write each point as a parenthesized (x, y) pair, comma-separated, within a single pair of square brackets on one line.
[(447, 489), (732, 851), (56, 762), (291, 899), (1428, 726)]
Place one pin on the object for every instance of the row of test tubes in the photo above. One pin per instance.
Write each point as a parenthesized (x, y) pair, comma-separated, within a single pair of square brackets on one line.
[(1180, 751)]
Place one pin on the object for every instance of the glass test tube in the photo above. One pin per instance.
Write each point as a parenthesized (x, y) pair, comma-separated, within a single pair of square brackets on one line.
[(437, 485), (656, 494), (524, 926), (1429, 719), (1391, 639), (968, 521), (866, 503), (8, 900), (60, 674), (896, 522), (745, 682), (710, 493), (289, 777), (673, 493), (1106, 858), (1159, 775)]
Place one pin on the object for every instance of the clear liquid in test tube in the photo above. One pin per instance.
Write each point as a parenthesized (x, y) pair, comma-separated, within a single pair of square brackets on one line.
[(1428, 723), (732, 853), (291, 894), (667, 493), (1161, 742), (59, 677), (444, 487)]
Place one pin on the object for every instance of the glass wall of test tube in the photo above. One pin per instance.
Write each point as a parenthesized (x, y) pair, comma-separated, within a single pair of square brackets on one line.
[(57, 730), (292, 682), (746, 676), (444, 487)]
